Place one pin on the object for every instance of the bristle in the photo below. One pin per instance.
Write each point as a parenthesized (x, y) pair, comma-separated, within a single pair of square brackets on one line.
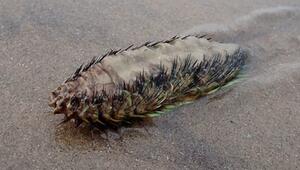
[(157, 92)]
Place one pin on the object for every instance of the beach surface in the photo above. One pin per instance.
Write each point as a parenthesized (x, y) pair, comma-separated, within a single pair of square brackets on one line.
[(254, 125)]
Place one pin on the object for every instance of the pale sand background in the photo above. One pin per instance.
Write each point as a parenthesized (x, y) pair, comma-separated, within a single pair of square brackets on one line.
[(254, 126)]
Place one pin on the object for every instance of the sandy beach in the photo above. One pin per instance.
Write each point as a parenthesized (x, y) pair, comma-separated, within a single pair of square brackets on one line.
[(255, 125)]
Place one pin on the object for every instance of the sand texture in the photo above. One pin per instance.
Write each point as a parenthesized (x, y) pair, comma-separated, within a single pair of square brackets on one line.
[(255, 125)]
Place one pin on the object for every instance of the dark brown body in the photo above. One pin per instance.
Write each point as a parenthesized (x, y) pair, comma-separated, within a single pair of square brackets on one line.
[(131, 84)]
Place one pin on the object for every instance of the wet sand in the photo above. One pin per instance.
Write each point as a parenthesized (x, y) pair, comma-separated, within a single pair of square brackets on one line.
[(253, 126)]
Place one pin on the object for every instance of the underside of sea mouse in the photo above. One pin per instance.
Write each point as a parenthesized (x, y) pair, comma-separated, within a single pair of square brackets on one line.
[(129, 85)]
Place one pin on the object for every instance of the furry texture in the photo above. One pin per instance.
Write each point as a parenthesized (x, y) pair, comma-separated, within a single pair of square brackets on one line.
[(113, 90)]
